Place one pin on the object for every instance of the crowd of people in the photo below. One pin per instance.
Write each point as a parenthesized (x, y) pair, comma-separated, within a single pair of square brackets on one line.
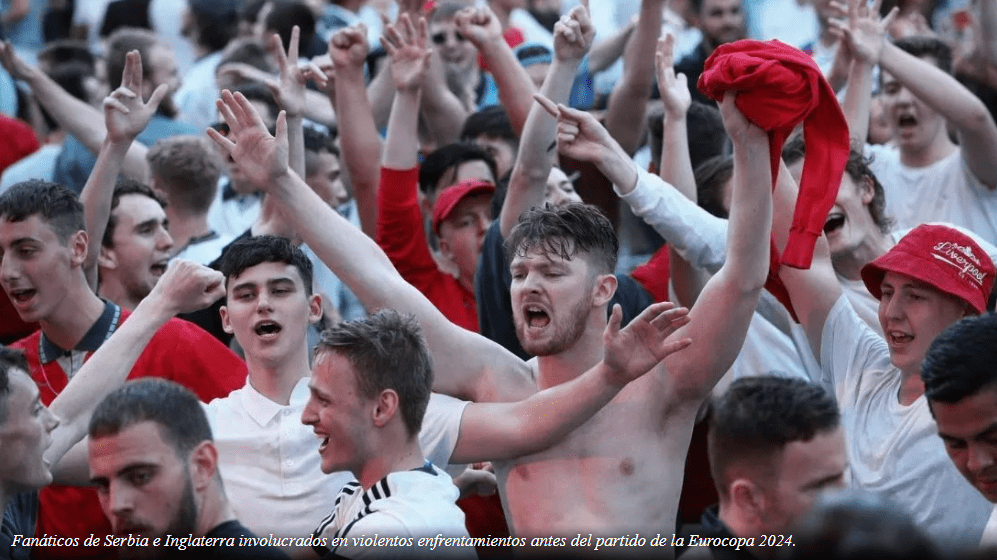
[(378, 278)]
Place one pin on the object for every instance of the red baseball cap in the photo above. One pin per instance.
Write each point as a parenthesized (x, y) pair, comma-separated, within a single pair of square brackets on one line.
[(451, 197), (942, 257)]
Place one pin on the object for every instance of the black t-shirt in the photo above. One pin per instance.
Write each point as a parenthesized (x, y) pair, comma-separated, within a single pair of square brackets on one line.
[(18, 519)]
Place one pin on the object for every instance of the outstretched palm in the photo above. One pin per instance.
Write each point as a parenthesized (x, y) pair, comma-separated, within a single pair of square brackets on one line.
[(408, 52), (643, 344), (674, 89), (261, 157), (125, 113)]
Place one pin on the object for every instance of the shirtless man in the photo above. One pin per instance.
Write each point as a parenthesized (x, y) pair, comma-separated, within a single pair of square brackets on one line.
[(598, 481)]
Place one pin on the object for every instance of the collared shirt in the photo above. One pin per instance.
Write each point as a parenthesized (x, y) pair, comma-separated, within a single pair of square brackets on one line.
[(270, 464), (72, 360)]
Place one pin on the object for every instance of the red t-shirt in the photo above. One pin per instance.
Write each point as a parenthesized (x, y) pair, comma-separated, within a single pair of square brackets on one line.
[(401, 235), (179, 351)]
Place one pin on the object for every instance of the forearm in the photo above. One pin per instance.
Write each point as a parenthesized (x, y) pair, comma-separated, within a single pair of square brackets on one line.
[(534, 160), (401, 147), (381, 93), (443, 110), (296, 144), (628, 102), (360, 144), (750, 214), (934, 87), (515, 87), (858, 102), (606, 52), (676, 167), (694, 233), (105, 371), (499, 431), (319, 109), (96, 199)]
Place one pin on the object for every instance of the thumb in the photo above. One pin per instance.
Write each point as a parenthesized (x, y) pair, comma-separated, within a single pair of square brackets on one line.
[(157, 96), (615, 320)]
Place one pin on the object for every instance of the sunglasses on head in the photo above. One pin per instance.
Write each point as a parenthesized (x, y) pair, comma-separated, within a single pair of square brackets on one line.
[(441, 37)]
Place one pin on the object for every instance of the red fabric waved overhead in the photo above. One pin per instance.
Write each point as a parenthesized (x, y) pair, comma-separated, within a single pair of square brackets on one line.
[(778, 88)]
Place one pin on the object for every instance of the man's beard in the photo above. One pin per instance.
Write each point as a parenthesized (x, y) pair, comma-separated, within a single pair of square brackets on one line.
[(573, 328), (184, 523)]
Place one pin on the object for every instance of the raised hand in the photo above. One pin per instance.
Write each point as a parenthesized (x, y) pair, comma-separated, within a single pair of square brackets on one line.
[(14, 64), (289, 87), (579, 134), (633, 351), (261, 157), (408, 52), (573, 34), (125, 114), (673, 87), (348, 47), (739, 128), (479, 25), (863, 29), (187, 286)]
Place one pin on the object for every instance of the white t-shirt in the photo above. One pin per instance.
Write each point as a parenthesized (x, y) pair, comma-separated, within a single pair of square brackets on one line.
[(894, 450), (408, 504), (946, 191), (990, 531), (270, 464)]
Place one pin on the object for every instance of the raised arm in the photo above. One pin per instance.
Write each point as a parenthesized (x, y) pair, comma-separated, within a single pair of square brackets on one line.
[(466, 364), (724, 309), (77, 117), (572, 39), (443, 112), (676, 166), (490, 432), (813, 292), (185, 287), (359, 140), (289, 92), (863, 32), (516, 89), (628, 101), (409, 59), (125, 116)]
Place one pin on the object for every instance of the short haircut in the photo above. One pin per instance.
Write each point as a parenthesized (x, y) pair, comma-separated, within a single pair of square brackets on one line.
[(387, 351), (711, 176), (858, 170), (922, 46), (566, 231), (10, 359), (56, 205), (451, 156), (174, 408), (187, 170), (757, 416), (446, 10), (61, 51), (962, 360), (705, 133), (490, 121), (126, 186), (317, 142), (282, 18), (248, 252), (123, 41)]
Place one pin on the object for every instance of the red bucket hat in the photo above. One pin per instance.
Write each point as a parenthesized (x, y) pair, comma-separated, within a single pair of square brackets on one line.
[(942, 257), (451, 197)]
